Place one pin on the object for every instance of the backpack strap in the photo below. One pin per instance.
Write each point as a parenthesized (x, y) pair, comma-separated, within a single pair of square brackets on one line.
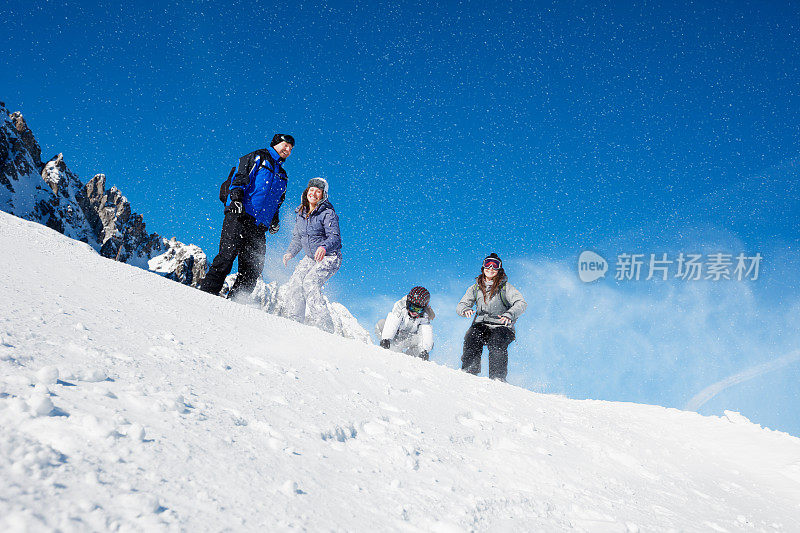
[(475, 293), (257, 165), (225, 188), (503, 296)]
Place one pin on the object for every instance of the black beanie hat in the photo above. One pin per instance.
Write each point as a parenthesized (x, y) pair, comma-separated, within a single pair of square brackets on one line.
[(282, 137), (494, 256)]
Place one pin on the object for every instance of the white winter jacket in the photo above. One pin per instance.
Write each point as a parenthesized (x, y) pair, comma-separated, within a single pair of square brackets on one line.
[(400, 323)]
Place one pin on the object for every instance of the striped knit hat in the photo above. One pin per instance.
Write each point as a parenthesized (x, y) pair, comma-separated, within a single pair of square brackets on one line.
[(419, 296)]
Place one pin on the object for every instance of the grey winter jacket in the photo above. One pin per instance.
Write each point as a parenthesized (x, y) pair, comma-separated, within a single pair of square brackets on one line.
[(321, 228), (486, 312)]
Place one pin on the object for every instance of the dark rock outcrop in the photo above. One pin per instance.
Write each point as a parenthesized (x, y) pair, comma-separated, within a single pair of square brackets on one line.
[(22, 190), (121, 232), (27, 138), (184, 263)]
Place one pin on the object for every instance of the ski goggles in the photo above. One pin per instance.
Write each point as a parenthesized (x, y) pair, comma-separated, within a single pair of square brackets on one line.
[(283, 137), (414, 308), (492, 264)]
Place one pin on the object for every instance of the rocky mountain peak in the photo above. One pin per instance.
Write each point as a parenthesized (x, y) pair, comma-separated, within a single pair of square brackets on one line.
[(26, 135), (122, 234), (51, 194)]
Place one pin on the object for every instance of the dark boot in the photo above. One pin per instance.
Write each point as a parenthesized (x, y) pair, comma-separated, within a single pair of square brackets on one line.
[(499, 339), (229, 245), (251, 258)]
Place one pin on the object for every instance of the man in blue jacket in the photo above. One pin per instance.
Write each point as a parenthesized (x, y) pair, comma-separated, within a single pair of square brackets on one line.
[(257, 192)]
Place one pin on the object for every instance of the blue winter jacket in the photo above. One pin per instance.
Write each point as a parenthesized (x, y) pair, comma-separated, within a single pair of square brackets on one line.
[(262, 178), (321, 228)]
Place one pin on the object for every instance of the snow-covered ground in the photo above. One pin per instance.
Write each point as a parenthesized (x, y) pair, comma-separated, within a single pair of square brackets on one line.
[(132, 403)]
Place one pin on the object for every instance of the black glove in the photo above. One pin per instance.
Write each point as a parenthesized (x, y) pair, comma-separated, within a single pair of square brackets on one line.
[(236, 207), (274, 227), (423, 355), (385, 343)]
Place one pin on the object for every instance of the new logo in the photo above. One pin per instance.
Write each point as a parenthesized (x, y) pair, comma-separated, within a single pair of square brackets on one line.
[(591, 266)]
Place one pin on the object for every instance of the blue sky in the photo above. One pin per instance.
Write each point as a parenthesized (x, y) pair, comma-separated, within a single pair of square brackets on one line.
[(533, 129)]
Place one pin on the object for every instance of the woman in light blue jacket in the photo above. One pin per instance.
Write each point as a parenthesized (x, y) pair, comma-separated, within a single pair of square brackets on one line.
[(316, 232)]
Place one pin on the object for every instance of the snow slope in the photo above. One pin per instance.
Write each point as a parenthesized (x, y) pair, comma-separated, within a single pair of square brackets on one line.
[(158, 407)]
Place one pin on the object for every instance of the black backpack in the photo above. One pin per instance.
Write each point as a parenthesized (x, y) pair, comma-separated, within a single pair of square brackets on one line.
[(224, 189)]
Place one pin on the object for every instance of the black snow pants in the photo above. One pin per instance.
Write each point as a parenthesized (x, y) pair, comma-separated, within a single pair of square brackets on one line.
[(497, 339), (241, 237)]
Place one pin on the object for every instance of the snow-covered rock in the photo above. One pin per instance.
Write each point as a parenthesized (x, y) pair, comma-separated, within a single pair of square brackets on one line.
[(184, 263), (216, 416)]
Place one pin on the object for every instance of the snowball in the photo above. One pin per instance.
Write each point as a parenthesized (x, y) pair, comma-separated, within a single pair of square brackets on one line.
[(93, 375), (40, 405), (18, 405), (24, 520), (136, 432), (6, 353), (139, 502), (172, 403), (48, 375), (290, 488), (67, 374), (97, 427), (90, 478)]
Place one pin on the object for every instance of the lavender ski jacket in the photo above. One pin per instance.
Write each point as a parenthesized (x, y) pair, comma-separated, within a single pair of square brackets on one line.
[(321, 228)]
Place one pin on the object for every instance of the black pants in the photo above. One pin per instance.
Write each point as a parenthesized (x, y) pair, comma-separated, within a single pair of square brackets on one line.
[(497, 339), (243, 238)]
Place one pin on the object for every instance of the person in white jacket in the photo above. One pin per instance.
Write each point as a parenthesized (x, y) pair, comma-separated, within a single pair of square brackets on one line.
[(407, 327)]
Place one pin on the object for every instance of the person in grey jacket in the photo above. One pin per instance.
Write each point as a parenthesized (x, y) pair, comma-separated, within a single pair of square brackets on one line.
[(499, 304), (316, 232)]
